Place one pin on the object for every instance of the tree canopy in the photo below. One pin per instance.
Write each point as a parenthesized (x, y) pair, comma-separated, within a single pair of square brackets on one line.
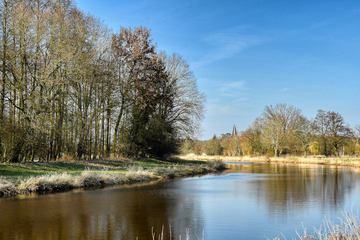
[(71, 88), (283, 130)]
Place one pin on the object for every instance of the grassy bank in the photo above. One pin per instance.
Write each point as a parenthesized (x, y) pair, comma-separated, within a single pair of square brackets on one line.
[(16, 178), (339, 161)]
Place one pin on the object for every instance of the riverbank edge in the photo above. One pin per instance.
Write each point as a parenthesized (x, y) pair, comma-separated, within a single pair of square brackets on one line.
[(343, 161), (89, 178)]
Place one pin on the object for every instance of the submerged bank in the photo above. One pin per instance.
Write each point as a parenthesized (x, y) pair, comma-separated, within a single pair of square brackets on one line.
[(22, 178), (334, 161)]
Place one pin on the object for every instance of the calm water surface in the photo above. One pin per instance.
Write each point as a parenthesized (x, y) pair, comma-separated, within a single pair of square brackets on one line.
[(248, 201)]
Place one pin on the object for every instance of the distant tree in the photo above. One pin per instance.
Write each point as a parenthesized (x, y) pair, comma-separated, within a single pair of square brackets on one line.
[(332, 129), (338, 130), (188, 145), (314, 147), (278, 124), (213, 147), (230, 146), (357, 130), (321, 127), (305, 133), (235, 146), (356, 138), (226, 135), (253, 136), (199, 147)]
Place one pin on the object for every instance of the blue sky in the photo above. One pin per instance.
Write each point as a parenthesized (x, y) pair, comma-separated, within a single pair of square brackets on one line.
[(249, 54)]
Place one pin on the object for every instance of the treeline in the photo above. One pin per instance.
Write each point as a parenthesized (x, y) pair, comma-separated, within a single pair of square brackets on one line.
[(284, 130), (69, 87)]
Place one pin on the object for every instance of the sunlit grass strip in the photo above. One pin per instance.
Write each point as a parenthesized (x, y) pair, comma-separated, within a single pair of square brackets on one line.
[(338, 161), (88, 178), (56, 181)]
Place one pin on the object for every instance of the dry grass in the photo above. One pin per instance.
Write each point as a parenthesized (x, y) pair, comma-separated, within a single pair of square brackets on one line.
[(217, 164), (103, 178), (49, 182), (96, 174), (181, 170), (138, 174), (64, 181), (160, 236), (167, 172), (318, 159), (7, 188), (348, 229)]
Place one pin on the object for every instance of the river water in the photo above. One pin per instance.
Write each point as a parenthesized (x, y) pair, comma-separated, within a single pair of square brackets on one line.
[(247, 201)]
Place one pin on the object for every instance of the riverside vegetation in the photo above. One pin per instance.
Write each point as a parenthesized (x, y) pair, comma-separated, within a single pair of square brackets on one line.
[(283, 130), (19, 178), (348, 229), (71, 88), (322, 160)]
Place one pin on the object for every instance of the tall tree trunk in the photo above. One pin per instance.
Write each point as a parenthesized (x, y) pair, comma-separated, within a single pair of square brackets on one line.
[(116, 129), (108, 115)]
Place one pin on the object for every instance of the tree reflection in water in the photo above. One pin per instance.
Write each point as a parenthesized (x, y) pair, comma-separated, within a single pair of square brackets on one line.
[(285, 186), (112, 213), (230, 206)]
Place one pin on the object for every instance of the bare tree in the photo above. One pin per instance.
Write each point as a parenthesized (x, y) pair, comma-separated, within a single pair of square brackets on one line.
[(253, 135), (332, 129), (279, 123), (188, 109), (356, 136), (305, 133), (338, 130)]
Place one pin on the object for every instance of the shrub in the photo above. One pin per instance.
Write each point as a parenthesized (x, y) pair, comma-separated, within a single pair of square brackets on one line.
[(217, 164)]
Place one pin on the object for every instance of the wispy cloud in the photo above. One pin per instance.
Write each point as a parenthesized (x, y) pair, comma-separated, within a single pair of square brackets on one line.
[(225, 44), (242, 99), (232, 89), (214, 100), (217, 109), (337, 18), (284, 90)]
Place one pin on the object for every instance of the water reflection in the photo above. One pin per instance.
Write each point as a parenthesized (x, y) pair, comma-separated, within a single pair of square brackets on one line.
[(295, 186), (276, 197), (115, 213)]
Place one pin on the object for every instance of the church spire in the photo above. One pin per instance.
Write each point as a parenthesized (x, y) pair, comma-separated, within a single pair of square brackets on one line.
[(234, 132)]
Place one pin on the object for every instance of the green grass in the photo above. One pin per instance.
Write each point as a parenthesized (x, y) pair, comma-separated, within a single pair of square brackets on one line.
[(23, 170), (181, 161)]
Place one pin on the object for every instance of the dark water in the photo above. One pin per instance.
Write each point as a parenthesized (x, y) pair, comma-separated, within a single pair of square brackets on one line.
[(248, 201)]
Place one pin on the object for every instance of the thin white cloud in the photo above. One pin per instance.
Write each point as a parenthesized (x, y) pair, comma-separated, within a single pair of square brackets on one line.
[(242, 99), (284, 90), (217, 109), (225, 44), (214, 100), (232, 89)]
